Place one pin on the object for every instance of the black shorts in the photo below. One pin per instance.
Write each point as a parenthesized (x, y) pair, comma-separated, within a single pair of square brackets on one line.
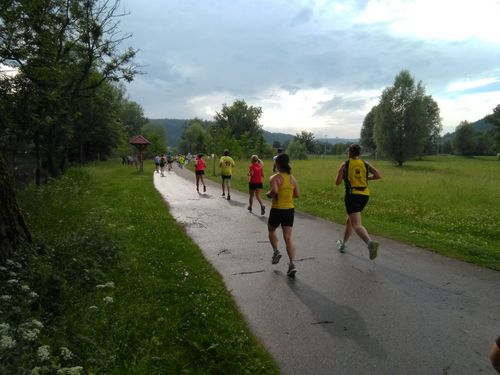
[(255, 186), (281, 217), (199, 173), (225, 177), (355, 202)]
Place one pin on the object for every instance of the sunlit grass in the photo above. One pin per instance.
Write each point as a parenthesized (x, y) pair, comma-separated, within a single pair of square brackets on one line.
[(446, 204)]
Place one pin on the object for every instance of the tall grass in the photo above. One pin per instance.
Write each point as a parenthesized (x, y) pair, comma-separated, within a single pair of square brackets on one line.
[(130, 292), (446, 204)]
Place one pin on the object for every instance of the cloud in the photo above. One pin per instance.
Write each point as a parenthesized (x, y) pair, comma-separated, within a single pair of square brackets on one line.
[(310, 64)]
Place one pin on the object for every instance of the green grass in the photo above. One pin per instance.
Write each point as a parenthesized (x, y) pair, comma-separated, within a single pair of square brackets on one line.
[(169, 313), (446, 204)]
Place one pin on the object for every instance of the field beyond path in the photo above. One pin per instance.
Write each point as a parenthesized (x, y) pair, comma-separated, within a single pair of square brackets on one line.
[(410, 311)]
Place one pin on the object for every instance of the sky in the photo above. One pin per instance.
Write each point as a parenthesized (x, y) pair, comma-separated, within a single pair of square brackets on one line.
[(314, 65)]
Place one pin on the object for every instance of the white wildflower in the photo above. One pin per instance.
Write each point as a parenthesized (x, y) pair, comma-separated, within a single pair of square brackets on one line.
[(3, 269), (12, 274), (5, 297), (44, 353), (33, 295), (93, 308), (77, 370), (30, 334), (7, 342), (66, 354), (108, 299), (36, 323), (25, 288), (4, 328), (109, 284), (13, 281)]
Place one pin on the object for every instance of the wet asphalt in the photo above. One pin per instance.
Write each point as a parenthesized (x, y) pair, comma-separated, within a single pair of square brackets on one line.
[(409, 311)]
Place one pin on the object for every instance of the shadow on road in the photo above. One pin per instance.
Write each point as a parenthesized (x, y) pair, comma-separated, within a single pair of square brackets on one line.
[(336, 319)]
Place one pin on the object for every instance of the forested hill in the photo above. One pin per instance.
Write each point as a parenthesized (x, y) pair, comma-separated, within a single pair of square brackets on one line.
[(480, 126), (175, 127)]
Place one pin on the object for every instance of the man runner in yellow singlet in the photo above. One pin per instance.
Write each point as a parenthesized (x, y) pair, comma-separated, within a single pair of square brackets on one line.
[(284, 188), (355, 173)]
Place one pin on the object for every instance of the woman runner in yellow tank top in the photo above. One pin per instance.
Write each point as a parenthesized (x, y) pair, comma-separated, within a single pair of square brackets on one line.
[(284, 189), (355, 173)]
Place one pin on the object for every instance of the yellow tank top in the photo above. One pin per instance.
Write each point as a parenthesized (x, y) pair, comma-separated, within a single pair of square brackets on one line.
[(284, 199), (357, 177)]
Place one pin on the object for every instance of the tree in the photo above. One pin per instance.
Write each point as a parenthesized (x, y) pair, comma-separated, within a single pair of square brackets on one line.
[(240, 118), (194, 138), (434, 126), (494, 119), (464, 141), (307, 139), (404, 119), (13, 230), (297, 150), (366, 138), (63, 51)]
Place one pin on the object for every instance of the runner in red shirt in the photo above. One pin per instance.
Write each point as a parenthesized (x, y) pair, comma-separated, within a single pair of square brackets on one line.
[(200, 171), (256, 177)]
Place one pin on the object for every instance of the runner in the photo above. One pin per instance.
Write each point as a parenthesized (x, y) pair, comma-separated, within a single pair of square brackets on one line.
[(279, 152), (284, 188), (163, 161), (157, 163), (256, 174), (226, 164), (200, 171), (356, 173), (170, 161)]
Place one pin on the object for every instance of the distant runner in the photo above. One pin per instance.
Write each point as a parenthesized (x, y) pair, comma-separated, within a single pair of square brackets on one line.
[(199, 172), (356, 173), (226, 164), (284, 188)]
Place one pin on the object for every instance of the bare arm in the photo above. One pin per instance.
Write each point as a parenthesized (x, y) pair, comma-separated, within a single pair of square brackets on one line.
[(296, 192), (340, 174), (274, 183), (374, 173)]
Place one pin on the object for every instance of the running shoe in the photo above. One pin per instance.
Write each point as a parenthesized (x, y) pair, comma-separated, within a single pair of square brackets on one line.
[(291, 270), (262, 210), (249, 209), (228, 197), (373, 249), (223, 194), (276, 257), (341, 246)]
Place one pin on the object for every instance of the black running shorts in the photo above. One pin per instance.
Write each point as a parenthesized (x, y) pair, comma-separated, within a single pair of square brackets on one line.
[(355, 202), (279, 217), (199, 173), (255, 186)]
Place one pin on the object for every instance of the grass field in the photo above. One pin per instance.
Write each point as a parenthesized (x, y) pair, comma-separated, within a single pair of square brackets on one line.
[(446, 204), (123, 287)]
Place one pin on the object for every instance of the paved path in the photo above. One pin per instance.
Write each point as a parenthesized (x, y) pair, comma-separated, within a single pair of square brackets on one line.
[(407, 312)]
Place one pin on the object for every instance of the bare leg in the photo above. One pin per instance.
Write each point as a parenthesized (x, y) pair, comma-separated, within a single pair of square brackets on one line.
[(355, 224), (257, 195), (273, 238), (223, 187), (197, 182), (290, 245), (250, 198), (347, 229)]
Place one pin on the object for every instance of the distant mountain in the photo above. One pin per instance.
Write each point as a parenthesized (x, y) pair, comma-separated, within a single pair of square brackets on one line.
[(175, 127)]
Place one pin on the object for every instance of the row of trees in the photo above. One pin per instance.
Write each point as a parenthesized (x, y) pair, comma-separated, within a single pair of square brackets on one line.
[(467, 141), (235, 127), (59, 95), (406, 124)]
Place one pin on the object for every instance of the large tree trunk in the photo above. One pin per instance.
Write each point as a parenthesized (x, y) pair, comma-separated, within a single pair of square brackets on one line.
[(13, 229)]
